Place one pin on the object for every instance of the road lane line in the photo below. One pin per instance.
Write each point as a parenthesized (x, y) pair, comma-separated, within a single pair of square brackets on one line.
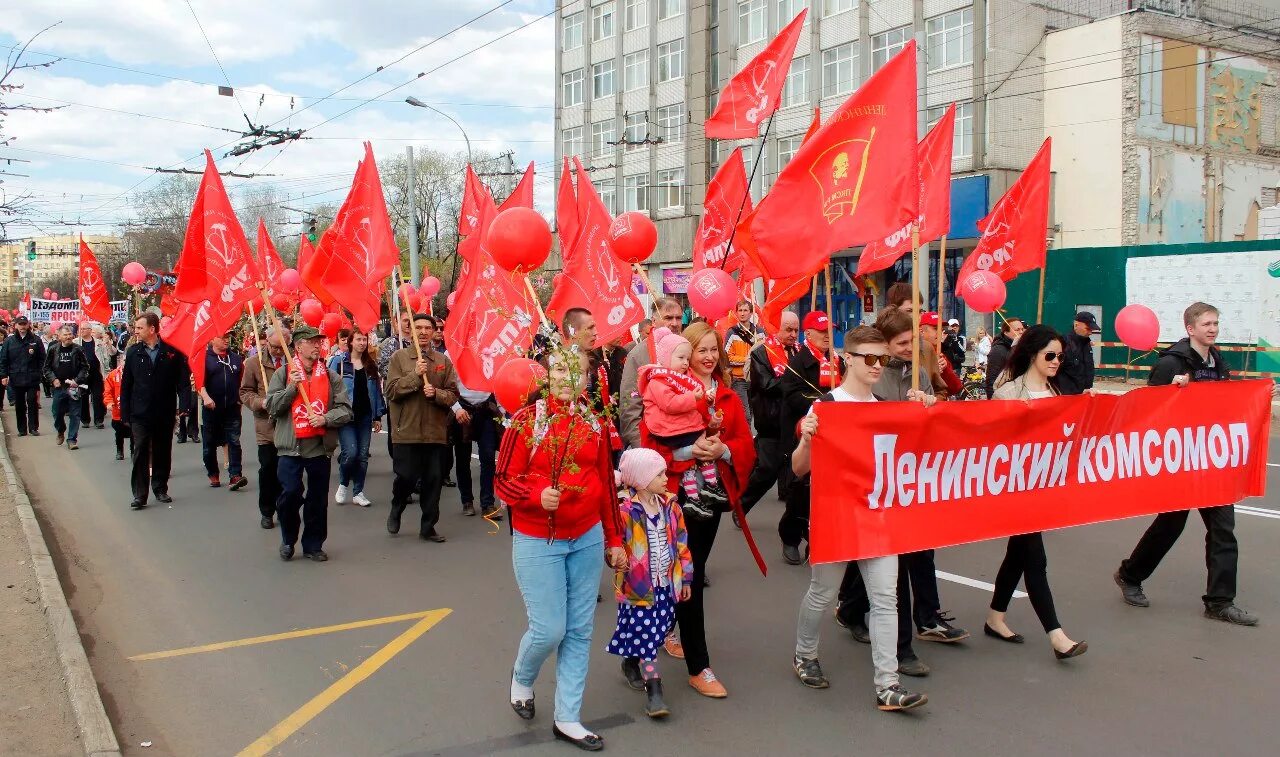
[(1259, 511), (975, 583), (304, 714), (298, 634), (1273, 465)]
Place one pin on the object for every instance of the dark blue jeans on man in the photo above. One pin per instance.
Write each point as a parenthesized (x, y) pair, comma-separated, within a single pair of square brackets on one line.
[(221, 427), (487, 435), (66, 413), (311, 497), (353, 457)]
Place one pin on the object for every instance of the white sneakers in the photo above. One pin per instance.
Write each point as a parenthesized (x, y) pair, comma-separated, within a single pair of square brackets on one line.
[(343, 495), (361, 500)]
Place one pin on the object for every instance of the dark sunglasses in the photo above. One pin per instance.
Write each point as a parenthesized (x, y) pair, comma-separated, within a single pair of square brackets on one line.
[(870, 360), (1052, 356)]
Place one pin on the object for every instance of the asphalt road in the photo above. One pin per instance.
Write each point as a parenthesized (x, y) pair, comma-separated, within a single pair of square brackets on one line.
[(1162, 680)]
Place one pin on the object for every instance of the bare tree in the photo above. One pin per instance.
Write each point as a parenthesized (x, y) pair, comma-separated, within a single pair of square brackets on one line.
[(13, 206)]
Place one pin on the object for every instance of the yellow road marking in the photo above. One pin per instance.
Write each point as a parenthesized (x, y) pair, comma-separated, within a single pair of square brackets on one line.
[(298, 634), (303, 715)]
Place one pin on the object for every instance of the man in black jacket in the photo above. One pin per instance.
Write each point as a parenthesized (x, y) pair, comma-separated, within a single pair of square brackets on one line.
[(1194, 358), (767, 364), (153, 374), (1076, 374), (67, 370), (221, 416), (21, 369), (812, 372), (1001, 346)]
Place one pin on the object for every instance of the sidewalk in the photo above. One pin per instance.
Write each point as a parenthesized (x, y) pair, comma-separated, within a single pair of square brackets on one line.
[(35, 710)]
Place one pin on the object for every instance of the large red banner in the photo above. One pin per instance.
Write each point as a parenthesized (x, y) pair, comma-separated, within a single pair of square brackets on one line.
[(891, 477)]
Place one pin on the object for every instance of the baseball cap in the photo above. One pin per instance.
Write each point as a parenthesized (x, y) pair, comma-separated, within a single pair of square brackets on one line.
[(953, 322), (303, 331), (929, 319), (22, 319), (1089, 320), (815, 319)]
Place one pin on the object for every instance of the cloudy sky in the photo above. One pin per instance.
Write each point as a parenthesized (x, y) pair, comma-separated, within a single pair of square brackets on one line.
[(139, 86)]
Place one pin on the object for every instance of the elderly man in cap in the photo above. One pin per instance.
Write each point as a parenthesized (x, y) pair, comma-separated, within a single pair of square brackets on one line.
[(21, 369), (309, 403), (1075, 376)]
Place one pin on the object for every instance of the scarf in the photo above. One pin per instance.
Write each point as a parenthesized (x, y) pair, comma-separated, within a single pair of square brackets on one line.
[(827, 377), (681, 382), (317, 388), (779, 356)]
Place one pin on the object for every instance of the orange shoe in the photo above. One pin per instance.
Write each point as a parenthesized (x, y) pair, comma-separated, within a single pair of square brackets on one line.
[(674, 647), (706, 684)]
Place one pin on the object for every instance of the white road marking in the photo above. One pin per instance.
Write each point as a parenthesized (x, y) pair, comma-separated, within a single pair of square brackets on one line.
[(975, 583), (1259, 511), (1273, 465)]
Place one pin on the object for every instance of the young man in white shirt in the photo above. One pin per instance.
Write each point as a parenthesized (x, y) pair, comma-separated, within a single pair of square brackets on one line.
[(865, 354)]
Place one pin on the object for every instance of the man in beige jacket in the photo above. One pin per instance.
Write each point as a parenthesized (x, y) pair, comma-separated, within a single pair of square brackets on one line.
[(253, 395)]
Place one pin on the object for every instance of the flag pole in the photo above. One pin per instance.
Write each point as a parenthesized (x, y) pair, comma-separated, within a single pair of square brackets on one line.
[(1040, 297), (755, 166), (533, 295), (942, 276), (279, 327), (253, 319), (915, 309), (831, 336)]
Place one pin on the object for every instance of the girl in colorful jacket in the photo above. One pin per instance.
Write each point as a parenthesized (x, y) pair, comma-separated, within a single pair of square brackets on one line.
[(658, 573)]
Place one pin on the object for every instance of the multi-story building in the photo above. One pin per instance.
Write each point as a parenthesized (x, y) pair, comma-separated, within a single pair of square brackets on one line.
[(55, 255)]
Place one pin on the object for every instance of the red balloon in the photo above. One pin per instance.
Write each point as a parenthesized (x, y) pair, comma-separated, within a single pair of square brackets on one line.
[(712, 293), (516, 381), (1138, 327), (329, 325), (430, 286), (633, 237), (311, 311), (982, 291), (406, 290), (281, 301), (133, 273), (48, 293), (56, 296), (448, 301), (290, 280), (519, 239)]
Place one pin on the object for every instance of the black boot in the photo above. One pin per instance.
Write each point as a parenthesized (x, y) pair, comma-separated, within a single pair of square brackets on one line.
[(654, 707)]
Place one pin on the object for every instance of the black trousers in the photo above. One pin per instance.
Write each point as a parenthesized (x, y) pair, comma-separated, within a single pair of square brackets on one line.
[(268, 480), (421, 468), (853, 604), (1025, 558), (310, 496), (92, 399), (152, 456), (793, 527), (24, 407), (691, 615), (1221, 553), (770, 461), (121, 430)]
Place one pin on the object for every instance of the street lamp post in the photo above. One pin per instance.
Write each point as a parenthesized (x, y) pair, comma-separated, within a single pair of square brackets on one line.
[(413, 220), (415, 102)]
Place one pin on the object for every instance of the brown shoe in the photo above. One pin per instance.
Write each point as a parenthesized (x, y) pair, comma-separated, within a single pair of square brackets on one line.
[(706, 684), (674, 647)]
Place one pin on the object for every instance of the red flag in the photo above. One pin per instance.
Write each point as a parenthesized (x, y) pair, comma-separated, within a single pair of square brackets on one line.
[(522, 195), (1013, 233), (271, 264), (755, 92), (728, 199), (934, 156), (216, 261), (191, 327), (853, 182), (814, 125), (474, 193), (593, 277), (357, 253), (566, 210), (94, 301)]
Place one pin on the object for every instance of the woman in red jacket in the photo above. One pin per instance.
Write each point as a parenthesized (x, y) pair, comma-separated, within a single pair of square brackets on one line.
[(555, 471), (733, 450)]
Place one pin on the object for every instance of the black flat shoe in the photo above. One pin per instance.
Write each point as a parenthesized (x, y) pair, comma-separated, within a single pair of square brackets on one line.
[(163, 497), (286, 552), (993, 633), (317, 556), (267, 523), (588, 743), (137, 504), (1080, 648)]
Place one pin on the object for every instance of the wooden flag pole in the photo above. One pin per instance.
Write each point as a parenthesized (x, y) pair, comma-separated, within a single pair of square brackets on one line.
[(831, 328), (275, 322), (942, 275), (1040, 297), (915, 309), (533, 295), (813, 291), (258, 338), (413, 330)]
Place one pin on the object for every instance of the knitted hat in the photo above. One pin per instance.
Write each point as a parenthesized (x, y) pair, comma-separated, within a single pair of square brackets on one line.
[(639, 466), (666, 341)]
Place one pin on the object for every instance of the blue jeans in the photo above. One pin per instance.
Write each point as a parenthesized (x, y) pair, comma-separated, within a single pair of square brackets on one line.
[(66, 413), (222, 427), (353, 458), (559, 582), (311, 497)]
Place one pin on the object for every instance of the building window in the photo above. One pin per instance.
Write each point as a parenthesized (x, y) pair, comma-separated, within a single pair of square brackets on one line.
[(635, 192), (838, 66), (602, 84), (608, 191), (571, 141), (635, 70), (602, 21), (671, 188), (713, 70), (789, 9), (962, 145), (671, 123), (948, 39), (571, 31), (885, 46), (572, 87), (669, 9), (671, 60), (787, 149), (796, 89), (604, 135), (751, 26), (635, 130), (832, 7), (635, 14)]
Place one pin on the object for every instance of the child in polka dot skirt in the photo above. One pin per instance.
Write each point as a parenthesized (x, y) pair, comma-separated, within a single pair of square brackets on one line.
[(658, 573)]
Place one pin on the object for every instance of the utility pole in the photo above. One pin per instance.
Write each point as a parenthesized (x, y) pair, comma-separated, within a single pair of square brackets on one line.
[(413, 221)]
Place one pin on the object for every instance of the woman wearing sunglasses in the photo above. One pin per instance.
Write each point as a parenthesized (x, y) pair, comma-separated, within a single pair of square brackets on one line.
[(1030, 374)]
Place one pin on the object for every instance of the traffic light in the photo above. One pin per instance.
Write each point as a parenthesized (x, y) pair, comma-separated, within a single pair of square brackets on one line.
[(31, 249), (311, 230)]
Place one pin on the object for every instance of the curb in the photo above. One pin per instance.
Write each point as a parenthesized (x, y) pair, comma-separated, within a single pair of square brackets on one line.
[(96, 735)]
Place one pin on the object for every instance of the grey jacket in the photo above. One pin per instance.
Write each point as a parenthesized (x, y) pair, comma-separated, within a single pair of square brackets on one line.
[(280, 396), (630, 406), (895, 382)]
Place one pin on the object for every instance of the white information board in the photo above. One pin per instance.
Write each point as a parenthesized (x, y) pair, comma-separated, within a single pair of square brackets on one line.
[(1244, 286)]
